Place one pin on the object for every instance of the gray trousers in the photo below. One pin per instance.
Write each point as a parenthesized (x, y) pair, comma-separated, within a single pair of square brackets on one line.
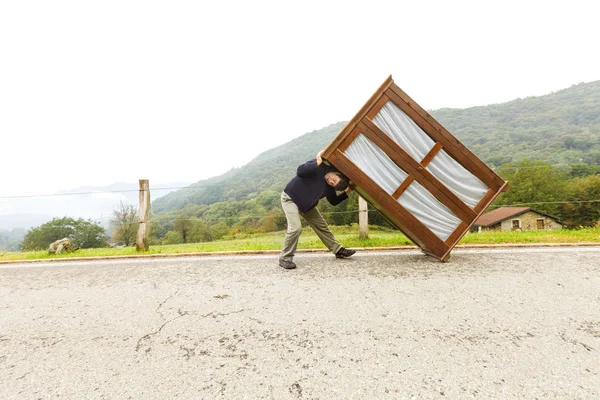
[(314, 219)]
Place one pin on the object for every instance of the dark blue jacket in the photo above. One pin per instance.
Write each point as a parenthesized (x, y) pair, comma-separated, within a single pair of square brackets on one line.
[(309, 186)]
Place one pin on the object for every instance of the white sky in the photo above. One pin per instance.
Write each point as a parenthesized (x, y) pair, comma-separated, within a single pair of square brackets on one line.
[(93, 93)]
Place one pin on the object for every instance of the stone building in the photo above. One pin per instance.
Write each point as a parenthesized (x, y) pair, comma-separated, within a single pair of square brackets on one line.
[(517, 219)]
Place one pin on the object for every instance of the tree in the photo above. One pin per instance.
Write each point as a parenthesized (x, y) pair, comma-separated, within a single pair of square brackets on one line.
[(187, 230), (125, 223), (269, 199), (82, 233), (583, 209), (533, 182), (580, 170), (269, 222), (183, 227), (199, 232), (219, 230), (172, 237)]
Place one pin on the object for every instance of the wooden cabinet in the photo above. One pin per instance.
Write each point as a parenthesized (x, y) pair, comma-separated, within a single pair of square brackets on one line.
[(413, 171)]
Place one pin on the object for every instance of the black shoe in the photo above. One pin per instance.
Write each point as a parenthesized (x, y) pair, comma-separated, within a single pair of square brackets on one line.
[(286, 264), (344, 253)]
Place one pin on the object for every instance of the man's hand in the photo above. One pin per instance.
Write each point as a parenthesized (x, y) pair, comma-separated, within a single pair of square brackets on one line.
[(319, 158), (350, 188)]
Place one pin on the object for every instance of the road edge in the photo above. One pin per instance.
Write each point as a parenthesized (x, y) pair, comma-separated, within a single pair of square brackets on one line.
[(256, 252)]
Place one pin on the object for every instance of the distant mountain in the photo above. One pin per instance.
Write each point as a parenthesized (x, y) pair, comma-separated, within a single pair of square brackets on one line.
[(561, 127), (10, 240), (17, 215), (97, 205), (26, 221), (271, 169)]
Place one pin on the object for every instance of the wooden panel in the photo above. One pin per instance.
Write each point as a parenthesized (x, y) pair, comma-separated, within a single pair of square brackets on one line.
[(438, 133), (360, 115), (446, 256), (432, 153), (421, 175), (377, 107), (485, 202), (458, 233), (404, 218), (443, 258), (348, 140), (389, 218), (403, 186)]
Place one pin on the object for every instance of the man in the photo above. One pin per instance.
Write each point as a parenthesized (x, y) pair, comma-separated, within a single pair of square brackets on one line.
[(313, 181)]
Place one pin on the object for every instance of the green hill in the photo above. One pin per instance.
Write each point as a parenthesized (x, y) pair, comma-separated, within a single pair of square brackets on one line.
[(270, 170), (561, 127)]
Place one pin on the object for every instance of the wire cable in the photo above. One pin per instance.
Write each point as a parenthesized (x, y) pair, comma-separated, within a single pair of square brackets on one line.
[(195, 186)]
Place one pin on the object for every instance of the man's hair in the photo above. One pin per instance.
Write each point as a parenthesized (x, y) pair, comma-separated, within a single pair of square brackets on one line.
[(343, 183)]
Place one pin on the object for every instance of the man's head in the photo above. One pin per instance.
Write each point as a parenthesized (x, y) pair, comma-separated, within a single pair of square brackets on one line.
[(336, 180)]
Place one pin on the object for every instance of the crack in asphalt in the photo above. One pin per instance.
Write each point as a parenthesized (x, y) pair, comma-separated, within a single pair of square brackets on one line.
[(215, 315), (180, 313), (163, 303), (575, 342), (148, 336)]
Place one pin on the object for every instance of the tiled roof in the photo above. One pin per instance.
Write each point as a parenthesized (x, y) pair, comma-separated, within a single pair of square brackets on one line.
[(500, 214)]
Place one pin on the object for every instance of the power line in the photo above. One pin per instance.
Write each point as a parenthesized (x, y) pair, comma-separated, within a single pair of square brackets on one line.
[(547, 202), (221, 218), (246, 217), (67, 194), (542, 166), (99, 192), (190, 187)]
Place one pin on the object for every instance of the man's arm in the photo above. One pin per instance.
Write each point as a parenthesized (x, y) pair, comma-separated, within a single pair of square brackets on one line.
[(333, 198), (320, 158), (308, 169)]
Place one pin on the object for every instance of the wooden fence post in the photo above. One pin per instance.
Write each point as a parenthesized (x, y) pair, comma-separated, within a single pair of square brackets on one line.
[(142, 242), (363, 218)]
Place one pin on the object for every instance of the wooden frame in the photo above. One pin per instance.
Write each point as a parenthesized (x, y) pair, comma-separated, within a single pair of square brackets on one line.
[(387, 204)]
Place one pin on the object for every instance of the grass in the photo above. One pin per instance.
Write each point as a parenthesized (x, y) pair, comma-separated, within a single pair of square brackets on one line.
[(347, 235)]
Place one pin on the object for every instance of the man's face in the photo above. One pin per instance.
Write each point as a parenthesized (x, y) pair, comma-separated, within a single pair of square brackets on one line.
[(332, 179)]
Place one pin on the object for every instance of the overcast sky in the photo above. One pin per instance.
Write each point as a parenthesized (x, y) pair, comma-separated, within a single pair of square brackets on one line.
[(96, 92)]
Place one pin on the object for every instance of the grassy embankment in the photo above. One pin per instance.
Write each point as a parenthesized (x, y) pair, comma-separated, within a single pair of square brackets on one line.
[(348, 236)]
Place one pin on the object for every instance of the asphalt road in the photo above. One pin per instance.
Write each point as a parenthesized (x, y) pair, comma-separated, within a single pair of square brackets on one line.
[(488, 324)]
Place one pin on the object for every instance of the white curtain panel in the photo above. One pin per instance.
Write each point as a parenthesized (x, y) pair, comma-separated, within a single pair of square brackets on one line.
[(408, 135), (457, 178), (371, 160), (427, 209), (403, 130)]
